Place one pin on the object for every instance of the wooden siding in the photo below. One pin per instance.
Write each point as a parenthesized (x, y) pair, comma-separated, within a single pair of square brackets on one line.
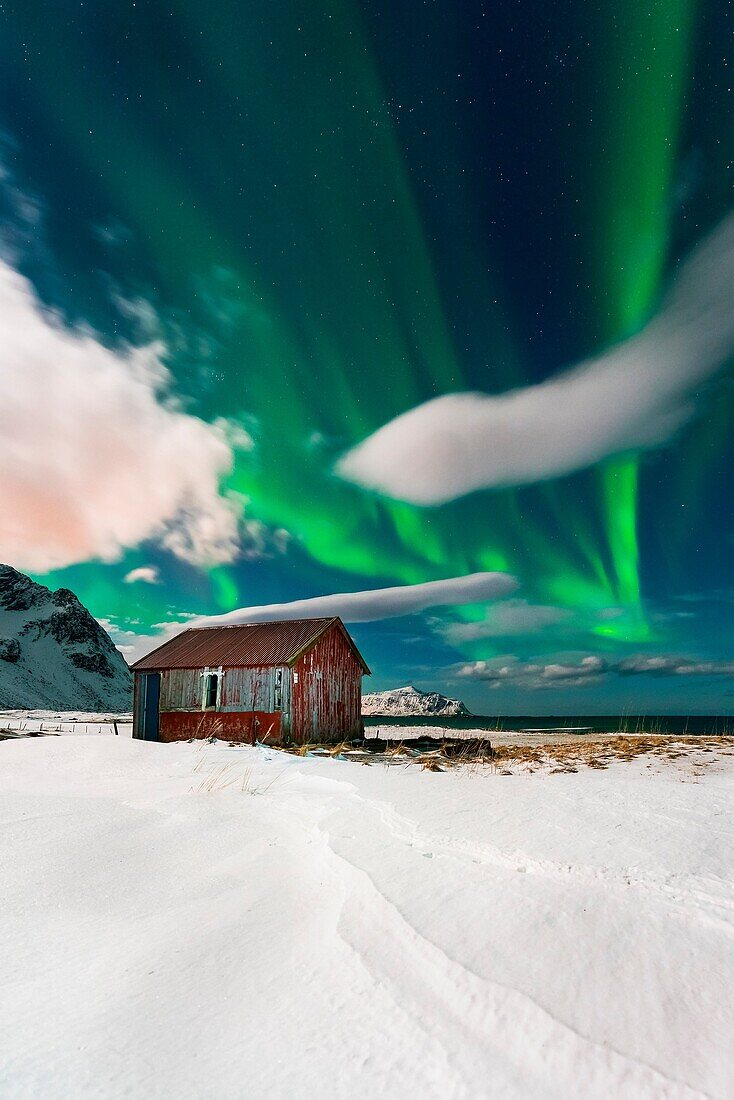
[(242, 689), (327, 691), (246, 693), (246, 728)]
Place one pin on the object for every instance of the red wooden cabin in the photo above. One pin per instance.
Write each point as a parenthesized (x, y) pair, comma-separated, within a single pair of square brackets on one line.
[(293, 681)]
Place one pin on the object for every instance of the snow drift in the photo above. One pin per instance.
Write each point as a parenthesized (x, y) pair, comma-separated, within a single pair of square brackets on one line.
[(205, 921)]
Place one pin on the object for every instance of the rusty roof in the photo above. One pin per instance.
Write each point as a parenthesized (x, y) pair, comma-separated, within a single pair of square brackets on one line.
[(244, 645)]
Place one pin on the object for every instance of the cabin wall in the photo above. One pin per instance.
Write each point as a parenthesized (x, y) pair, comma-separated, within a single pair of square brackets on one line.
[(246, 710), (327, 691), (242, 689), (245, 727)]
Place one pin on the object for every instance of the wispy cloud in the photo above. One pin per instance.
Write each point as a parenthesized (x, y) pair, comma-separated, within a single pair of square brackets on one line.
[(380, 603), (636, 396), (675, 666), (356, 607), (506, 619), (499, 671), (590, 669), (124, 639)]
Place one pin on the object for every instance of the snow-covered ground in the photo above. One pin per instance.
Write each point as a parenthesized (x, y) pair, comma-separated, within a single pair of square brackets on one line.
[(83, 723), (196, 920)]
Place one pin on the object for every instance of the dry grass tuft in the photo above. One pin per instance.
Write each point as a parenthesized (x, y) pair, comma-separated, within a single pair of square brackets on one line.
[(599, 753)]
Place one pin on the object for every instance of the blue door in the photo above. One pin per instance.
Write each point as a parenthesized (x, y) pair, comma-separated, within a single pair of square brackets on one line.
[(151, 691)]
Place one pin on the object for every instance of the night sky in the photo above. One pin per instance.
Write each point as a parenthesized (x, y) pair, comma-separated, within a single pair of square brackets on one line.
[(241, 238)]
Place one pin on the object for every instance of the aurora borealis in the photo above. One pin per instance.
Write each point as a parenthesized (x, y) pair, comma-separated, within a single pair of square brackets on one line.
[(320, 216)]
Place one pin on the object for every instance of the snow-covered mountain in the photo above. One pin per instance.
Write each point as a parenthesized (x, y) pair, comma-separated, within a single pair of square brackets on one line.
[(409, 701), (53, 653)]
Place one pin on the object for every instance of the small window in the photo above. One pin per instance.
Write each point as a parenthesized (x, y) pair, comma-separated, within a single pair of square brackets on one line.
[(278, 690), (211, 690)]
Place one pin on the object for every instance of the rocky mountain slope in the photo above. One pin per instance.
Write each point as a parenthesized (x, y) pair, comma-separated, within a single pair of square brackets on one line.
[(409, 701), (53, 653)]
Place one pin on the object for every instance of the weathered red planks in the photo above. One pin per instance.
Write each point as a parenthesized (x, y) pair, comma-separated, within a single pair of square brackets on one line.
[(243, 727), (327, 691)]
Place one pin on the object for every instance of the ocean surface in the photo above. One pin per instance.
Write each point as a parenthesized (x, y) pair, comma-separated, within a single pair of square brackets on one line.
[(691, 724)]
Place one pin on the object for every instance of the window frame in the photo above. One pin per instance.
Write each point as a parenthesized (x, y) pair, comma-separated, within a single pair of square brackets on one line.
[(278, 690), (208, 676)]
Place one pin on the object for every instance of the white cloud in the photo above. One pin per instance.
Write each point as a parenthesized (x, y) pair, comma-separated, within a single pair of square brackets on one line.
[(95, 457), (510, 617), (588, 666), (258, 541), (380, 603), (535, 675), (635, 396), (147, 574), (124, 640), (499, 671), (356, 607), (236, 434), (675, 666)]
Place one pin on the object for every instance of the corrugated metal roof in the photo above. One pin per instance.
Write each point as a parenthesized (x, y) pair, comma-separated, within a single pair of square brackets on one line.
[(244, 645)]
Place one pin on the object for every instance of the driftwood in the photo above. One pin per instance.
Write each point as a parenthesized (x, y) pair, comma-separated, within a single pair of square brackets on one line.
[(453, 747)]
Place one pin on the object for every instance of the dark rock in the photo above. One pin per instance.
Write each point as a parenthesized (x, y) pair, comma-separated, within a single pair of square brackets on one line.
[(64, 597), (92, 662), (73, 625), (18, 592), (10, 650)]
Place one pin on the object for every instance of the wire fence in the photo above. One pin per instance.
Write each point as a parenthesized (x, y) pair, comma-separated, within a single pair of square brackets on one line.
[(32, 724)]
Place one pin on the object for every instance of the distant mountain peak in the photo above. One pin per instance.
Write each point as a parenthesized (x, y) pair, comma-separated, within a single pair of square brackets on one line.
[(411, 701), (54, 653), (18, 592)]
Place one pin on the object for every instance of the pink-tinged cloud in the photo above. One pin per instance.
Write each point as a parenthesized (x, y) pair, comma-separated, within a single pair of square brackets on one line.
[(95, 457)]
